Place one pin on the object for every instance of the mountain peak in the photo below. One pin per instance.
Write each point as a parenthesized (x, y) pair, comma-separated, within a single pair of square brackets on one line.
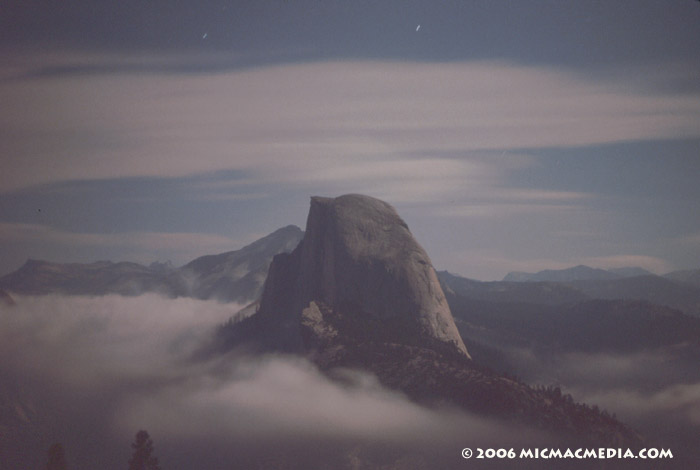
[(239, 275), (358, 273), (234, 276)]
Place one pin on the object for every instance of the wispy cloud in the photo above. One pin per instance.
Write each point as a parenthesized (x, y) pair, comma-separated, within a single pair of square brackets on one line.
[(683, 399), (384, 124), (652, 386), (454, 141), (505, 208)]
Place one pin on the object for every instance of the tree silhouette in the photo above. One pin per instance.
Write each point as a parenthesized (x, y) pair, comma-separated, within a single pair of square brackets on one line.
[(57, 458), (143, 458)]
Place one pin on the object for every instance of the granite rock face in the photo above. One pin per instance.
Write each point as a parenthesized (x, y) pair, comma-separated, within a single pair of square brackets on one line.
[(358, 274)]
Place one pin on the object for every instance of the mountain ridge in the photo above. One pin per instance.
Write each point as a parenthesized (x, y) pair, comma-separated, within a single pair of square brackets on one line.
[(677, 290), (575, 273), (234, 276), (238, 276)]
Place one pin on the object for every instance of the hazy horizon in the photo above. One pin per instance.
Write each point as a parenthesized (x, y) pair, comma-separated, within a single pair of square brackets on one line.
[(437, 268)]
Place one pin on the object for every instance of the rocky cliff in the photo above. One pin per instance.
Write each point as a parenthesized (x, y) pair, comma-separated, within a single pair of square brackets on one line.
[(357, 276)]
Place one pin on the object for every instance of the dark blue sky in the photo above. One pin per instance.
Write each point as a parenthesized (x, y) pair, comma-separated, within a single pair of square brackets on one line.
[(510, 135), (574, 33)]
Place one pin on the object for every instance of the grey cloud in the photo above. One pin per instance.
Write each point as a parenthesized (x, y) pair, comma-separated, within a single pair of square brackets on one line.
[(282, 124), (656, 392), (108, 366), (680, 400)]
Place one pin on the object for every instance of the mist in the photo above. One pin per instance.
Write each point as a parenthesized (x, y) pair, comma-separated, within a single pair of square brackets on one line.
[(656, 392), (89, 372)]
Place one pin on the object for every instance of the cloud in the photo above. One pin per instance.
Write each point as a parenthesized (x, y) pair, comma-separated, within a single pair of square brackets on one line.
[(31, 62), (87, 341), (387, 123), (680, 399), (614, 370), (278, 396), (654, 392), (496, 209), (399, 180), (104, 367), (646, 388)]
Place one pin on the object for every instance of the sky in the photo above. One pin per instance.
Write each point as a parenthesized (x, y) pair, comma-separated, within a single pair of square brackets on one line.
[(511, 136)]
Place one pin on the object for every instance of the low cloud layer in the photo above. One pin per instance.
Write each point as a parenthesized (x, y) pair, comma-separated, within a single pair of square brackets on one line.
[(85, 341), (90, 372), (656, 392), (645, 388), (106, 367), (677, 399)]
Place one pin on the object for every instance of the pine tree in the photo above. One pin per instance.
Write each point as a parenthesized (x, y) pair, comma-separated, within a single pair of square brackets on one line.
[(143, 458), (57, 458)]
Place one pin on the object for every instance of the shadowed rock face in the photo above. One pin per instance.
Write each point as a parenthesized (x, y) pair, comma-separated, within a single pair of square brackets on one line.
[(359, 268)]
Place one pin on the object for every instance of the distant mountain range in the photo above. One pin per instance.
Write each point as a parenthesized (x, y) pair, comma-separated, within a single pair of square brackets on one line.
[(545, 293), (586, 273), (234, 276), (618, 316), (577, 273), (679, 289)]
